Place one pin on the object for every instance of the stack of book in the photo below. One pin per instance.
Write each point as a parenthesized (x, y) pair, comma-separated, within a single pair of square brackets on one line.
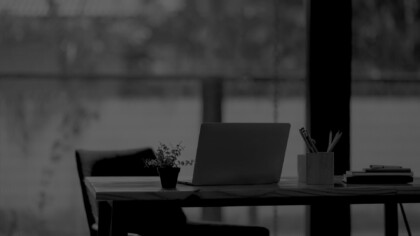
[(379, 174)]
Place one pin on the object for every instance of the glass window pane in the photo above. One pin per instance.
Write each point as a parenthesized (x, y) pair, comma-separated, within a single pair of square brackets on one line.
[(385, 101), (116, 74)]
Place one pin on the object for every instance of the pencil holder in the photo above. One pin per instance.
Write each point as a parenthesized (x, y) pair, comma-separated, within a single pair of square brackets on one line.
[(316, 168)]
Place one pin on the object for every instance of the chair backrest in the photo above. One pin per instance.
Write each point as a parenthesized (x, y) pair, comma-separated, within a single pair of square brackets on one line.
[(109, 163)]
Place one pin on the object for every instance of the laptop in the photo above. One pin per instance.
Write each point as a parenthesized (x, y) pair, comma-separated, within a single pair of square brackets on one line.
[(239, 154)]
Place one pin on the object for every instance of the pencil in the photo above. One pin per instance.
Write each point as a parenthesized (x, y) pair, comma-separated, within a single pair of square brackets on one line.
[(330, 138), (334, 142)]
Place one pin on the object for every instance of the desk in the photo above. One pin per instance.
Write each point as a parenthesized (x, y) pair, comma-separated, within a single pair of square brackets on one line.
[(111, 191)]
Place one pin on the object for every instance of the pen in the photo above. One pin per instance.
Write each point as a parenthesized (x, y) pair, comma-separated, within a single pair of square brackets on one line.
[(311, 140), (308, 145), (308, 140)]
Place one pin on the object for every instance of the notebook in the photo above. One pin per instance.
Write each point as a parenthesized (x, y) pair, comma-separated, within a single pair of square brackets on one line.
[(239, 153)]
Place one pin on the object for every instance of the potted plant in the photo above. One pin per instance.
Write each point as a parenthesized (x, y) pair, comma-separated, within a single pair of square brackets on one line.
[(167, 164)]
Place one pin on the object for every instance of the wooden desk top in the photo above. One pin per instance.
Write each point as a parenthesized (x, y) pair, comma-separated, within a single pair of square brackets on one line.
[(287, 192)]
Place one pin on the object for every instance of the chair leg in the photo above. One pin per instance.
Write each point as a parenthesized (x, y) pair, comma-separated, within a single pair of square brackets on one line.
[(118, 222), (105, 214)]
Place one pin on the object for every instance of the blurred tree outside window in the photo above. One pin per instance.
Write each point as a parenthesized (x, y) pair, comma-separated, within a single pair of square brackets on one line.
[(236, 38), (386, 38), (115, 74)]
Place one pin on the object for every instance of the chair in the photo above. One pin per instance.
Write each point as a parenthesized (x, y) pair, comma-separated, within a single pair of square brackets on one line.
[(146, 221)]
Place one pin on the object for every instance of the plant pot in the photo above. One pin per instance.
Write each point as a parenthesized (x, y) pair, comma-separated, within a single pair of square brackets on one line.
[(168, 177)]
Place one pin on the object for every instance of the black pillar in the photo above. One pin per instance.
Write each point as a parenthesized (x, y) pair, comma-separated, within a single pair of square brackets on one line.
[(212, 94), (329, 75), (328, 85)]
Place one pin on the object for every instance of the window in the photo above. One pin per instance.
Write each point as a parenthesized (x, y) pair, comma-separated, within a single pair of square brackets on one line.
[(386, 89), (120, 74)]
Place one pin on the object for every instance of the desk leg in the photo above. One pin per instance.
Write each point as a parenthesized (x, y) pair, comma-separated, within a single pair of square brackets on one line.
[(118, 227), (391, 219), (104, 218), (328, 219)]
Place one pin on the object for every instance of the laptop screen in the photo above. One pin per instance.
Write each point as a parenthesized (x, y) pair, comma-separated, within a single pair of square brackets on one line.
[(240, 153)]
